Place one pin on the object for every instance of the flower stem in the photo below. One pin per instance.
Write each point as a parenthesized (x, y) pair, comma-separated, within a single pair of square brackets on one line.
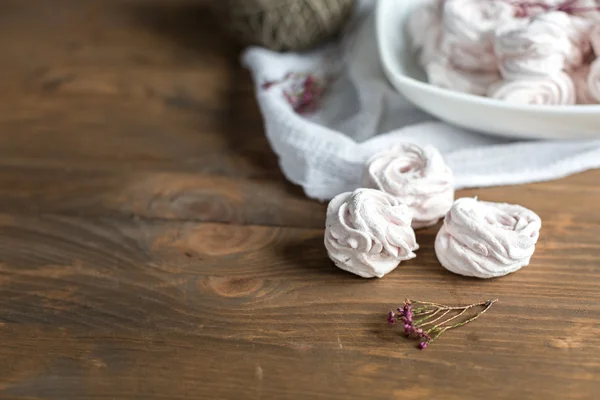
[(437, 319), (452, 318), (487, 305), (453, 308), (419, 321), (426, 314)]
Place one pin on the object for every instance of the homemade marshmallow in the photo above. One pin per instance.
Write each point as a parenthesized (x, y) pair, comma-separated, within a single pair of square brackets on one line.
[(425, 29), (468, 31), (425, 17), (368, 232), (579, 77), (594, 37), (557, 89), (589, 9), (442, 74), (536, 49), (531, 8), (486, 240), (593, 79), (415, 176), (580, 37), (470, 20)]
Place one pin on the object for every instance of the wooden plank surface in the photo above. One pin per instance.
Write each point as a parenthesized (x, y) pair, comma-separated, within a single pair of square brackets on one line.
[(151, 249)]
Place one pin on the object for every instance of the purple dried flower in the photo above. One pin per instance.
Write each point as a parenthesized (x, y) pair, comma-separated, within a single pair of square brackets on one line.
[(407, 311), (267, 85), (431, 319), (305, 94), (304, 91), (391, 318)]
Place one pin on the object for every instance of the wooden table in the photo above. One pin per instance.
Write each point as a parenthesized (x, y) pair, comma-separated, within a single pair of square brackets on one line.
[(151, 249)]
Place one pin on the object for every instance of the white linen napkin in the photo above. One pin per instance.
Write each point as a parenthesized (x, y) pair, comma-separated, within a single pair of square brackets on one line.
[(361, 114)]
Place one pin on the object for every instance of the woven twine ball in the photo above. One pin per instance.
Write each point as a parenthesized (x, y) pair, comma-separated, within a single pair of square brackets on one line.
[(282, 25)]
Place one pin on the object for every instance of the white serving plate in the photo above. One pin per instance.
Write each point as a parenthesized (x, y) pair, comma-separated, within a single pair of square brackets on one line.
[(476, 113)]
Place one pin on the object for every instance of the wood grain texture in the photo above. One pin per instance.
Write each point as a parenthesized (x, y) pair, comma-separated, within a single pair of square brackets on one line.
[(151, 249)]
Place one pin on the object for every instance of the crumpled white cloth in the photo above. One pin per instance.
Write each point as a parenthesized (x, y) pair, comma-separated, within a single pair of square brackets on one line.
[(362, 114)]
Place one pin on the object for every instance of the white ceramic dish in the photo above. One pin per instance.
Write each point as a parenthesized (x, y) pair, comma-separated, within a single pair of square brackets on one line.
[(468, 111)]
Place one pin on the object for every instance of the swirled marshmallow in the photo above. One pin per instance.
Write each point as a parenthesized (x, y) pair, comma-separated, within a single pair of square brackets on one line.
[(425, 29), (531, 8), (588, 9), (594, 37), (579, 77), (466, 56), (536, 49), (557, 89), (580, 42), (474, 20), (368, 232), (442, 74), (593, 79), (431, 47), (415, 176), (425, 17), (468, 27), (486, 240)]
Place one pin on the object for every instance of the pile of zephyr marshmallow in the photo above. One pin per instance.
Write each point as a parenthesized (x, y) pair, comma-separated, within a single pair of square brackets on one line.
[(370, 231), (521, 51)]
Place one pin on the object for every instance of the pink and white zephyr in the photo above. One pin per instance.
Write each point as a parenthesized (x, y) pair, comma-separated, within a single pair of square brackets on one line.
[(425, 29), (580, 37), (487, 240), (557, 89), (535, 49), (589, 9), (594, 37), (579, 77), (368, 232), (442, 74), (415, 176), (468, 31), (593, 80)]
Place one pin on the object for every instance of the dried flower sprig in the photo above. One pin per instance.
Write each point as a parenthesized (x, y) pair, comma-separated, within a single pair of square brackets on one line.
[(419, 317), (303, 92)]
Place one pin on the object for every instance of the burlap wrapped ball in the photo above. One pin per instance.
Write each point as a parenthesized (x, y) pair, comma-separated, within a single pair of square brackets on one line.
[(283, 25)]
